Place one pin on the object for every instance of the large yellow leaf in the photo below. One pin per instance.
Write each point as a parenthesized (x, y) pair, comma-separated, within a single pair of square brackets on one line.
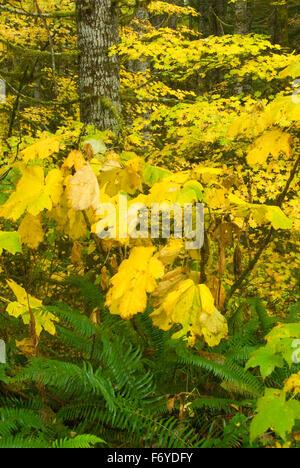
[(54, 185), (192, 306), (75, 159), (32, 193), (26, 304), (171, 251), (272, 142), (136, 277), (69, 221), (127, 179), (31, 231), (83, 190)]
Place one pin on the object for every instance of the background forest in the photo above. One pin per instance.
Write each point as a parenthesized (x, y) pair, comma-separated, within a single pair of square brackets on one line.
[(132, 342)]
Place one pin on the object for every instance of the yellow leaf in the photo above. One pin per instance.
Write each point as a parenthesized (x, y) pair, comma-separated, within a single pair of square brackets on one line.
[(171, 251), (207, 300), (83, 190), (75, 159), (54, 185), (76, 252), (272, 142), (215, 198), (136, 277), (31, 231), (26, 347), (42, 149), (26, 304), (192, 306), (31, 194), (293, 383), (117, 179), (69, 221)]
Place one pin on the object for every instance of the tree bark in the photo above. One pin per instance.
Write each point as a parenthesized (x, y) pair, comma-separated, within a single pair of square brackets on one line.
[(99, 73), (159, 21), (243, 16), (280, 25)]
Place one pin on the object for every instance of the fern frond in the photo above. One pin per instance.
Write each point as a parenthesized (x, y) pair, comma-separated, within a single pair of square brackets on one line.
[(83, 441), (68, 378), (229, 371)]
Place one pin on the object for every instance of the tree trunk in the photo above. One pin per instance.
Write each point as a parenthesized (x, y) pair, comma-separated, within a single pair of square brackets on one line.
[(142, 15), (159, 21), (243, 17), (212, 13), (243, 14), (280, 25), (99, 73)]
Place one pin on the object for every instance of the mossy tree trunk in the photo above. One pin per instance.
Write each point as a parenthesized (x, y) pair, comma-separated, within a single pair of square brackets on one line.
[(243, 17), (99, 73)]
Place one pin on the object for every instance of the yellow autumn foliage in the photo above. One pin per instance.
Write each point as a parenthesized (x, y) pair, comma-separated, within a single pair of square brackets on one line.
[(31, 231), (293, 384), (191, 306), (136, 277), (83, 189), (42, 149), (75, 159), (170, 252), (33, 193), (272, 142), (27, 304)]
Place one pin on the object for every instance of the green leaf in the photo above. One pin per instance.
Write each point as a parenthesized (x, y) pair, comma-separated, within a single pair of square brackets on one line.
[(197, 188), (152, 174), (278, 219), (97, 145), (288, 330), (294, 405), (274, 413), (10, 241), (281, 340), (266, 359)]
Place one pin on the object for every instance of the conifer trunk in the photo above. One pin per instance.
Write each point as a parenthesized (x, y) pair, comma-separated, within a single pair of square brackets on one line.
[(99, 74)]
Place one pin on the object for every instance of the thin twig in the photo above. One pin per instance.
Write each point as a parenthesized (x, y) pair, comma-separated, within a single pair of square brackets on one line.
[(57, 14), (51, 47)]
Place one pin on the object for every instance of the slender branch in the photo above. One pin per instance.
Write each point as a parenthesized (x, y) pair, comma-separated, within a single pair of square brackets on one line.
[(17, 100), (55, 14), (282, 196), (250, 267), (221, 21), (32, 52), (51, 47), (265, 242), (95, 237), (16, 103), (39, 101)]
